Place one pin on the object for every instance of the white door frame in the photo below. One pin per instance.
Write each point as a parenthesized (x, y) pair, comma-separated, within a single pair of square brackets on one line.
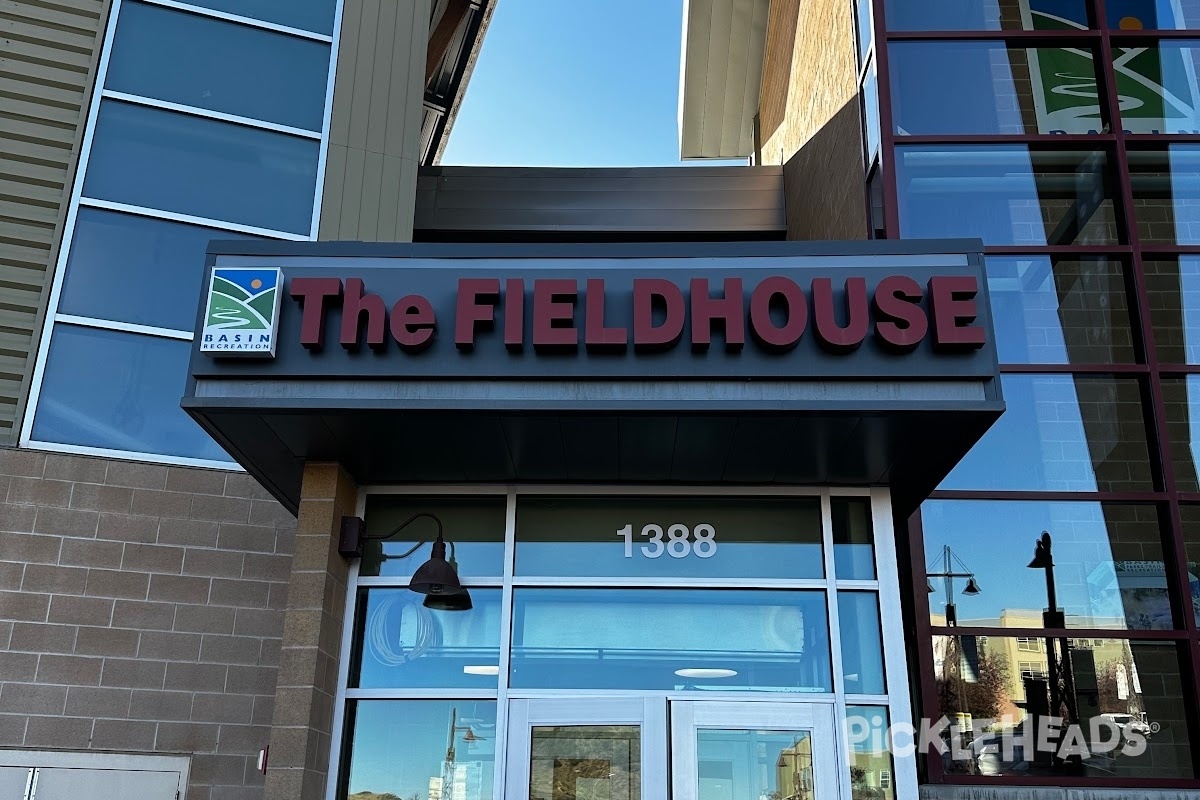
[(648, 713), (690, 716)]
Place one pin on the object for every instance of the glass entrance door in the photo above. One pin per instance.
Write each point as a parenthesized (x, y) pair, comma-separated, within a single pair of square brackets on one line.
[(616, 749), (587, 748), (749, 751)]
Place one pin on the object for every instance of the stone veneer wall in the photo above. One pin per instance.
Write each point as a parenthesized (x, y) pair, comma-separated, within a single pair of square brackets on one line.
[(141, 610)]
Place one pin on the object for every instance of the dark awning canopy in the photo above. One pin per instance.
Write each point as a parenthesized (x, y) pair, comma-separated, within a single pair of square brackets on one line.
[(457, 391)]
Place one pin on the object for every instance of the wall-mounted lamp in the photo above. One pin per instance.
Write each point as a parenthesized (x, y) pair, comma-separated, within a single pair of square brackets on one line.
[(437, 578)]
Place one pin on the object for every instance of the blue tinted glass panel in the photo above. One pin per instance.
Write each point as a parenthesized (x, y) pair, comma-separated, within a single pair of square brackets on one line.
[(862, 642), (1111, 552), (1137, 15), (176, 162), (397, 748), (985, 15), (1005, 194), (986, 87), (670, 639), (1060, 310), (402, 644), (119, 391), (136, 269), (669, 537), (1166, 193), (1174, 282), (1062, 433), (1182, 399), (199, 61), (306, 15), (1162, 79)]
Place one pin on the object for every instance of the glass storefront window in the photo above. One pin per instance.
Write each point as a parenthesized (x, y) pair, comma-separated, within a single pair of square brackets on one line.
[(870, 93), (1054, 310), (208, 63), (1190, 518), (1079, 433), (1181, 397), (136, 269), (985, 15), (1005, 194), (1158, 87), (585, 762), (1108, 563), (862, 643), (670, 639), (753, 764), (1174, 282), (1124, 696), (119, 391), (1153, 15), (982, 87), (401, 644), (853, 538), (864, 28), (398, 748), (1166, 192), (661, 537), (872, 774), (473, 528), (192, 165)]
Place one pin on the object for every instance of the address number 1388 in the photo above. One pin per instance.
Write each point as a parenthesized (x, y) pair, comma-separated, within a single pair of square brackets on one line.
[(678, 541)]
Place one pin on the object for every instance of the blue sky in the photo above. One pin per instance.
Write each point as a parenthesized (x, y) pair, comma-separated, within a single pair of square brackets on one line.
[(574, 83)]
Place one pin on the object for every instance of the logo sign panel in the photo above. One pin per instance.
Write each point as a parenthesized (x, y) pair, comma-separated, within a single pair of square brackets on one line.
[(241, 312)]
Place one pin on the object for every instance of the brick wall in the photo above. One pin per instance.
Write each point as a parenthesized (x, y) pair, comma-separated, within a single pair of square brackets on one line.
[(141, 610)]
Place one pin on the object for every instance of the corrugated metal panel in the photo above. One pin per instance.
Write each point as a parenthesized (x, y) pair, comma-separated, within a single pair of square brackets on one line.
[(48, 54), (667, 199), (374, 136)]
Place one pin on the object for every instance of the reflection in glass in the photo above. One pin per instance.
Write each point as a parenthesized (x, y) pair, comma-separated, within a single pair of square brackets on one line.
[(1006, 194), (674, 639), (751, 765), (985, 15), (585, 762), (1062, 433), (1060, 310), (871, 111), (421, 748), (223, 66), (1190, 518), (1181, 397), (1151, 15), (1166, 191), (398, 643), (1115, 691), (864, 28), (136, 269), (1108, 562), (119, 391), (177, 162), (708, 537), (473, 525), (981, 87), (1174, 282), (853, 538), (872, 776), (862, 643), (1157, 84)]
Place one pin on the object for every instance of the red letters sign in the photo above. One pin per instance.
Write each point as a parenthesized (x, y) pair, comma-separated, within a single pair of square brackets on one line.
[(777, 313)]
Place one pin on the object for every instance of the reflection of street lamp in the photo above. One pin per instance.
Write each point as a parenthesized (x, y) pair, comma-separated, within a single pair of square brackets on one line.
[(1052, 617), (947, 573), (468, 737)]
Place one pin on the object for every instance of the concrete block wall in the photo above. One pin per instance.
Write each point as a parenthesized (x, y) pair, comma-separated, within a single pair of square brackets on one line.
[(141, 610)]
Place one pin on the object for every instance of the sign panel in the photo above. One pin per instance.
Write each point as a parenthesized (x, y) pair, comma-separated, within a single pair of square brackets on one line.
[(241, 312), (575, 318)]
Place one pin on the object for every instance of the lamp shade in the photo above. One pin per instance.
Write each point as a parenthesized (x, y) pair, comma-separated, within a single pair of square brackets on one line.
[(448, 602), (972, 587), (436, 576)]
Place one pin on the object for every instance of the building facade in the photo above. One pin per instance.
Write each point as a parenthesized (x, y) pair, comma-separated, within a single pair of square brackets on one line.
[(733, 598)]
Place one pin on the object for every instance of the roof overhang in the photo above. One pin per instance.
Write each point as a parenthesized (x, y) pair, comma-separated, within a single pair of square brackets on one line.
[(522, 368), (720, 76)]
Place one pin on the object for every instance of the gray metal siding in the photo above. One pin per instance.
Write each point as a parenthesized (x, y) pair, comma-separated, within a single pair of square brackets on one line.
[(669, 199), (48, 56)]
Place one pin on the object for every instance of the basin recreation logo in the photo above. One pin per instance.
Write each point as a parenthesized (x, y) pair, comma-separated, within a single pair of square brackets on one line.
[(242, 312)]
